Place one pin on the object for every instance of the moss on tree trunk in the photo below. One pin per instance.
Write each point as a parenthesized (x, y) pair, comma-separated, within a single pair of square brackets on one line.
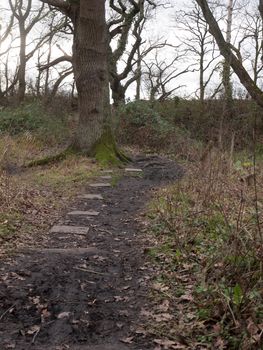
[(106, 150)]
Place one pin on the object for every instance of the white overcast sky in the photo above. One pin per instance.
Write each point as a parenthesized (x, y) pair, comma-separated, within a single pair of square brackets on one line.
[(162, 25)]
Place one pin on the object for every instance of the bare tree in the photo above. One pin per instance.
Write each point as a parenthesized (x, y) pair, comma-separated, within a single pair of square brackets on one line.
[(125, 26), (198, 43), (251, 42), (27, 18), (159, 74), (231, 53), (5, 32), (60, 33)]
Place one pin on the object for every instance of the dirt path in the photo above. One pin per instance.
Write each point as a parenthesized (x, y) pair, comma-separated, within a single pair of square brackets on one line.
[(85, 290)]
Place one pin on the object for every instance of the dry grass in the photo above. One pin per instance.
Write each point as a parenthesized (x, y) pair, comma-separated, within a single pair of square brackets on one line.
[(32, 200), (209, 248)]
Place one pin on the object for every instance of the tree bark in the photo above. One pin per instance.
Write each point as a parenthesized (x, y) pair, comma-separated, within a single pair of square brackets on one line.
[(118, 92), (139, 77), (90, 66), (227, 64), (260, 7), (201, 75), (90, 70), (22, 64)]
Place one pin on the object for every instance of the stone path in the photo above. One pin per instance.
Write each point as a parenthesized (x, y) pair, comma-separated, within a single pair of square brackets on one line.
[(85, 285)]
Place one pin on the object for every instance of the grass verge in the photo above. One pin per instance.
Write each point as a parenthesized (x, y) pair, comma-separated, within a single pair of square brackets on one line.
[(207, 240), (30, 202)]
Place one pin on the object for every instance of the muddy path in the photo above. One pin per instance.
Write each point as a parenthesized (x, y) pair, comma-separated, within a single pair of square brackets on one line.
[(85, 290)]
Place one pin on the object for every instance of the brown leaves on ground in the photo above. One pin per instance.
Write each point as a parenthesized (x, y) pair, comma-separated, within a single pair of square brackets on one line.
[(32, 200), (207, 255)]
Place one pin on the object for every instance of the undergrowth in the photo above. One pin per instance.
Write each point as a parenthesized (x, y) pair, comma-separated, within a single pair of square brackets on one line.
[(208, 245), (33, 117), (31, 200)]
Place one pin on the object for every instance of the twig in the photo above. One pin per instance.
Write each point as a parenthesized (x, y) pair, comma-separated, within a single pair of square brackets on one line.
[(101, 230), (106, 231), (35, 335), (90, 271), (3, 315)]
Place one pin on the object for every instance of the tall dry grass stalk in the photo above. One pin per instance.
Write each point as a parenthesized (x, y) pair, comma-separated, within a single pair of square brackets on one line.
[(213, 220)]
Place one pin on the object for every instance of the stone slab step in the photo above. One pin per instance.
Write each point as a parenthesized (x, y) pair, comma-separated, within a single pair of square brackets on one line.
[(102, 184), (90, 196), (65, 251), (85, 213), (77, 230), (106, 177), (133, 170), (115, 346), (107, 171)]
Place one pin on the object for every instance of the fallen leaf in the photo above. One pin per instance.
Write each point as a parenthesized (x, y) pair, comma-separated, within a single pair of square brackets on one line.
[(127, 340), (166, 343), (119, 325), (124, 313), (160, 287), (146, 313), (220, 344), (141, 331), (33, 330), (163, 317), (65, 314), (45, 313), (186, 297), (164, 306)]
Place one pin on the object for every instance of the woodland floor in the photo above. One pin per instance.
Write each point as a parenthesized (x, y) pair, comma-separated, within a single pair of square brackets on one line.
[(90, 291)]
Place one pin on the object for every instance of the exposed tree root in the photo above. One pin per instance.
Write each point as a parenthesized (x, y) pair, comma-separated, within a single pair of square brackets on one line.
[(56, 158), (105, 152)]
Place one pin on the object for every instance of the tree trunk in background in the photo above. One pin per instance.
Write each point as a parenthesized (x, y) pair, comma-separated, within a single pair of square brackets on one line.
[(46, 86), (118, 92), (139, 78), (117, 89), (22, 65), (201, 76), (226, 51), (260, 7), (227, 64)]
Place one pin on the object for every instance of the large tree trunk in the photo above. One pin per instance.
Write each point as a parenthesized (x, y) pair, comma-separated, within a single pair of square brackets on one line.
[(94, 136), (90, 65), (260, 7), (90, 69)]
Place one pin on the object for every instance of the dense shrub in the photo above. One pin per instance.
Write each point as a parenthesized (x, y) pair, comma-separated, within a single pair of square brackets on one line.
[(141, 124), (155, 123), (33, 117)]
